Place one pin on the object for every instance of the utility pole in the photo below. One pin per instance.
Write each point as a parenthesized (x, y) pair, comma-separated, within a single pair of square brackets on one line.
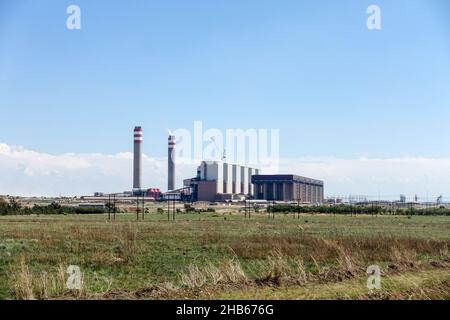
[(174, 207), (109, 207), (114, 200), (137, 208), (168, 207), (143, 207)]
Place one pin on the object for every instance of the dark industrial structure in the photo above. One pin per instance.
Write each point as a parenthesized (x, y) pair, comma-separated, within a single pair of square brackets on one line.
[(290, 187)]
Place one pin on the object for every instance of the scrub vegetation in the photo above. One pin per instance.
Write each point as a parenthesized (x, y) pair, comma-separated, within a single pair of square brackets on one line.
[(223, 255)]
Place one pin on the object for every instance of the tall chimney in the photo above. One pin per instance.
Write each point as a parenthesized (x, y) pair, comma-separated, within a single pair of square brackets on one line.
[(171, 163), (137, 160)]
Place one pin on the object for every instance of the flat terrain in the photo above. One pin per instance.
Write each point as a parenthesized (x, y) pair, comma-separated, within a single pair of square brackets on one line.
[(222, 256)]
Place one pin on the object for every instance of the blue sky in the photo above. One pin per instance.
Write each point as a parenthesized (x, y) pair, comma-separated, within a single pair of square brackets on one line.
[(309, 68)]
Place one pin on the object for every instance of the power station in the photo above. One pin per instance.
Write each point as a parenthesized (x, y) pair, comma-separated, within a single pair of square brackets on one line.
[(219, 181)]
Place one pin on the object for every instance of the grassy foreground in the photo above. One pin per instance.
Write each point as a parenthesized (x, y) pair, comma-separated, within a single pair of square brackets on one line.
[(218, 256)]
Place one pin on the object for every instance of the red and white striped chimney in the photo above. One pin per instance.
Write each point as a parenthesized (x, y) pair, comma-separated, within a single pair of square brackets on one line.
[(137, 160)]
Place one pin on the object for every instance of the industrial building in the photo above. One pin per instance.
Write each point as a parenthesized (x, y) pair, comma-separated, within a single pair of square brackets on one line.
[(137, 160), (288, 188), (171, 163), (218, 181), (221, 181)]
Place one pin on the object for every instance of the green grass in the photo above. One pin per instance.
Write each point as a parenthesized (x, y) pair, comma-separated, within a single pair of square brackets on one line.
[(128, 255)]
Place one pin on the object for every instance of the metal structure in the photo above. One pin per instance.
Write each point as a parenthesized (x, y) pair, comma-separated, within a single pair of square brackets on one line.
[(171, 199), (140, 207), (111, 205), (247, 209), (223, 152), (171, 163), (137, 159)]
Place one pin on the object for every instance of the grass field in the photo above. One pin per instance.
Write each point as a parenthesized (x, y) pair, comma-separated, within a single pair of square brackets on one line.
[(223, 256)]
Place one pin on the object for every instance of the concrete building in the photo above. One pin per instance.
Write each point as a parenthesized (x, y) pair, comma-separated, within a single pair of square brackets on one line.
[(245, 181), (288, 188), (250, 173), (227, 178), (236, 179), (213, 172), (221, 181)]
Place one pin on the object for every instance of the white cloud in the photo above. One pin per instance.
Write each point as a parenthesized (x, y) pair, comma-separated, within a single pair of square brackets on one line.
[(387, 178), (27, 172)]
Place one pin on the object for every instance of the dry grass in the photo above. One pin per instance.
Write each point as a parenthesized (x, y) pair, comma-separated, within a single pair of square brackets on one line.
[(38, 286), (298, 260), (439, 291), (284, 265), (158, 259), (228, 272), (416, 284), (23, 282), (344, 250), (127, 248)]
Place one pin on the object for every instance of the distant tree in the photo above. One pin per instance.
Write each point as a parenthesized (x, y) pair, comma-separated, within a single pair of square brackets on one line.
[(3, 207), (55, 208), (27, 211), (14, 206), (109, 206), (37, 209)]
